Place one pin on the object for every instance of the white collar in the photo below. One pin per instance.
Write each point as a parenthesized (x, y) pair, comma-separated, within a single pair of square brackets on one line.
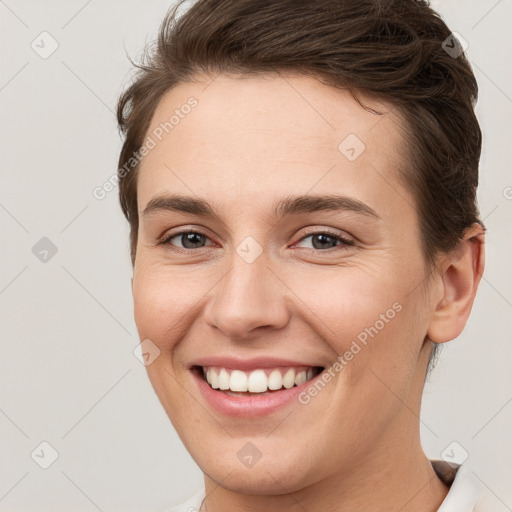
[(465, 490)]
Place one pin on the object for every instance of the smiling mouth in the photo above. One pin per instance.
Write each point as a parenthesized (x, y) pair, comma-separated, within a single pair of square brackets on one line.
[(260, 381)]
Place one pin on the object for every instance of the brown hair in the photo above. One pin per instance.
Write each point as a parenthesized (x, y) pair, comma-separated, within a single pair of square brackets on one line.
[(398, 51)]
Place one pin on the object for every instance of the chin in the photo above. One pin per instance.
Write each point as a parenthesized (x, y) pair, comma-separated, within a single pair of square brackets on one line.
[(275, 473), (265, 479)]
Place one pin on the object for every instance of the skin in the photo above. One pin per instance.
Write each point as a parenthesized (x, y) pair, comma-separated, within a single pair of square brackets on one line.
[(248, 143)]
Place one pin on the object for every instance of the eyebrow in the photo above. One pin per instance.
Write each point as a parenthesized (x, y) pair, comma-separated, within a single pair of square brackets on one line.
[(291, 205)]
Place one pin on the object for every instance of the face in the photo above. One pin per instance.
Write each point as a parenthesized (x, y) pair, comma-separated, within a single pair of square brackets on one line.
[(276, 241)]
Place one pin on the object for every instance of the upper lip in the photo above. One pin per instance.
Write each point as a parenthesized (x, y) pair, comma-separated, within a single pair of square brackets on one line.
[(248, 364)]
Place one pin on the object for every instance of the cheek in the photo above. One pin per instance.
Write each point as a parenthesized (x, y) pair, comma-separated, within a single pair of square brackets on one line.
[(160, 311), (350, 302), (162, 301), (369, 319)]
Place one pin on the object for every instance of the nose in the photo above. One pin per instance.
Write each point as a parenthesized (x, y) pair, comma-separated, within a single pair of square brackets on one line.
[(249, 296)]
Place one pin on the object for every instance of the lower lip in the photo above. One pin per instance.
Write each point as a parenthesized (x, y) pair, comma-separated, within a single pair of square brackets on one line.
[(250, 406)]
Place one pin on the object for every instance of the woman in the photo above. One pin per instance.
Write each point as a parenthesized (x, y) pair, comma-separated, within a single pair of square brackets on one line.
[(300, 181)]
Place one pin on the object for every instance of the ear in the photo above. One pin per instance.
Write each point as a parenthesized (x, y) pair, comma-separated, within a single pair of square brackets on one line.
[(460, 274)]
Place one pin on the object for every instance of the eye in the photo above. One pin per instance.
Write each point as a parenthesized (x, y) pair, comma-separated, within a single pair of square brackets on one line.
[(188, 239), (327, 240)]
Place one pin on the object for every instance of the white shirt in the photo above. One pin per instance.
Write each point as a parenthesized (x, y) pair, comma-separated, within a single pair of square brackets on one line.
[(463, 496)]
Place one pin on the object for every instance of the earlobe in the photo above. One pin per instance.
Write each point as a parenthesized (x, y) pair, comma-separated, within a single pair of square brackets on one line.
[(461, 274)]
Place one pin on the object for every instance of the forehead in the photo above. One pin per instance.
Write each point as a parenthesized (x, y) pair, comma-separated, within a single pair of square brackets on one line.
[(254, 135)]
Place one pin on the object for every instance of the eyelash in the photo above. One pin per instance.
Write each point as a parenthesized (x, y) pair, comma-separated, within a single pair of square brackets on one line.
[(345, 242)]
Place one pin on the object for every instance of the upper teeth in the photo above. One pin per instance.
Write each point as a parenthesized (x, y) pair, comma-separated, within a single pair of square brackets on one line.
[(256, 381)]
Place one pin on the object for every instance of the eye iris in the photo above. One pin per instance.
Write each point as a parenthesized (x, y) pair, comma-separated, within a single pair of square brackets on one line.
[(191, 238), (323, 240)]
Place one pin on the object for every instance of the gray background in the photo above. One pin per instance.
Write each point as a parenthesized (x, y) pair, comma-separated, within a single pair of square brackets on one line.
[(68, 373)]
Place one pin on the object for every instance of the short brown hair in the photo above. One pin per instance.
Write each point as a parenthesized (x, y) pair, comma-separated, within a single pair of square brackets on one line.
[(399, 51)]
